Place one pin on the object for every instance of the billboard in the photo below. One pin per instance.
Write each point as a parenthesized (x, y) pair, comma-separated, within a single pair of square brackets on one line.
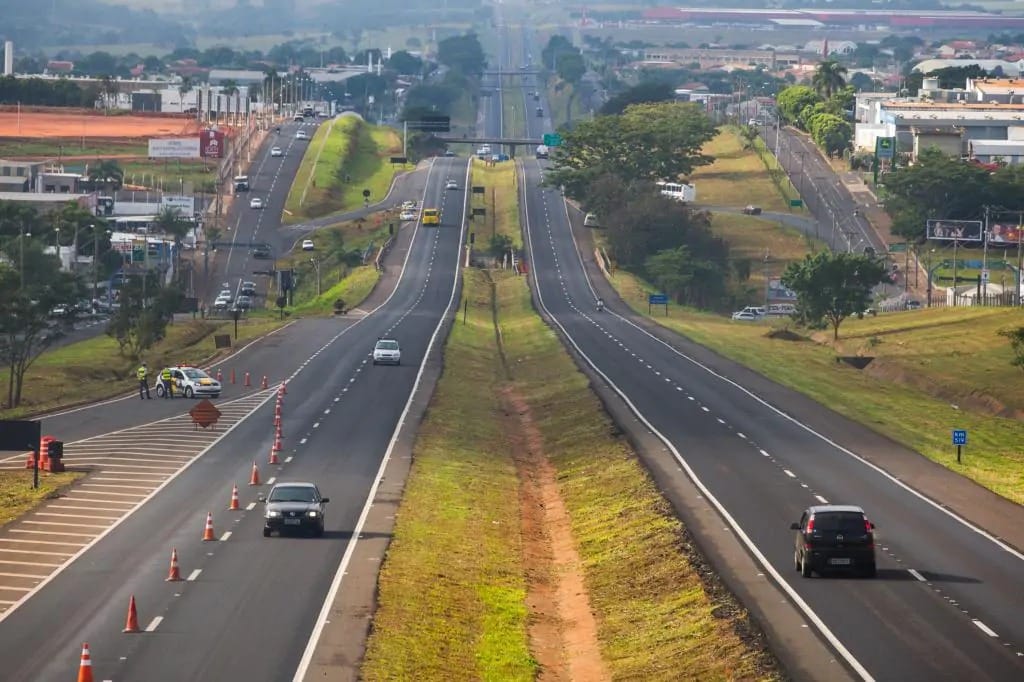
[(186, 205), (174, 148), (1004, 234), (211, 143), (955, 230)]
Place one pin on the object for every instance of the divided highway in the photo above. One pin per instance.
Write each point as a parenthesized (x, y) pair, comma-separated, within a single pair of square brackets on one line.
[(250, 604), (948, 600)]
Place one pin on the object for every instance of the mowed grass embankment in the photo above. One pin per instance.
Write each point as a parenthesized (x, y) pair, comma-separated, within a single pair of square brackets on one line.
[(17, 495), (736, 178), (94, 369), (345, 156), (935, 370)]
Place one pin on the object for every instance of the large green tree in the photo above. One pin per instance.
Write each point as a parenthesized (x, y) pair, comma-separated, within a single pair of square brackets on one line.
[(792, 101), (462, 53), (831, 287), (648, 142), (26, 299), (645, 92)]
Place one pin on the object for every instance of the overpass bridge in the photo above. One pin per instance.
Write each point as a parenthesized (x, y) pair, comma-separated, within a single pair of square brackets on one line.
[(476, 141)]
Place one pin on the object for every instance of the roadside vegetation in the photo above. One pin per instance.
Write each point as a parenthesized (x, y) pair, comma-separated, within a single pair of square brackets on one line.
[(735, 165), (344, 261), (95, 369), (345, 156), (470, 584), (18, 497)]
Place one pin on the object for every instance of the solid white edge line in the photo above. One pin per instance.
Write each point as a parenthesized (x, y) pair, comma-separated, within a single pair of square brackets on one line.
[(813, 617), (127, 515), (917, 576), (984, 628), (846, 451), (325, 610)]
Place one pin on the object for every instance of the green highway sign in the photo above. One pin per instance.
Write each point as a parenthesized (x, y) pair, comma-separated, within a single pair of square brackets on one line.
[(552, 140), (796, 203), (885, 147)]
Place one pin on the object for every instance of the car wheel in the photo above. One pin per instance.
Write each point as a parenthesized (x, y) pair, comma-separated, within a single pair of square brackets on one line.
[(266, 532), (160, 391), (189, 392), (805, 568)]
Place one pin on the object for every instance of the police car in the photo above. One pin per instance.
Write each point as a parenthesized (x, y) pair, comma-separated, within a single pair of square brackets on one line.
[(190, 382)]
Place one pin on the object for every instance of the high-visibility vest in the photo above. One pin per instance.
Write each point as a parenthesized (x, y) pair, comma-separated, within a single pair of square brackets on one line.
[(166, 375), (141, 373)]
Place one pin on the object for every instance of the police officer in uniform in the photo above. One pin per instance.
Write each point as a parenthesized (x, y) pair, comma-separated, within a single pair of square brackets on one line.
[(168, 382), (141, 374)]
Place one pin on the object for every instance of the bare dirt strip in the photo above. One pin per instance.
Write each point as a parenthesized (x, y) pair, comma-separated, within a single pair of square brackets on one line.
[(76, 124)]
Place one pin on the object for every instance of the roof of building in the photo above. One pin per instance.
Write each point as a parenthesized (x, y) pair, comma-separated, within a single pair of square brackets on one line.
[(998, 147), (929, 65)]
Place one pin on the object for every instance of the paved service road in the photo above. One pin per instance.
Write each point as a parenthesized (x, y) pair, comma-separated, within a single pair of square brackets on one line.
[(948, 600), (252, 602)]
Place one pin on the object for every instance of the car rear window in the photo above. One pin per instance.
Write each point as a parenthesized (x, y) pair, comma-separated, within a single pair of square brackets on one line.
[(849, 522)]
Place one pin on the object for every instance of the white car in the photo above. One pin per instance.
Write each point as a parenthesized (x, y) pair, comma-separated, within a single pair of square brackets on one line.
[(255, 202), (301, 135), (409, 215), (276, 151), (387, 352), (408, 205), (189, 382), (308, 245), (451, 184)]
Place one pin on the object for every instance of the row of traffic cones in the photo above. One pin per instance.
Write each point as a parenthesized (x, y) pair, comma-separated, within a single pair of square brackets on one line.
[(246, 381), (174, 574)]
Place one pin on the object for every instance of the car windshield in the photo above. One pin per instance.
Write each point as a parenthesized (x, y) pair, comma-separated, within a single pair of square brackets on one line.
[(430, 212), (839, 522), (293, 494), (195, 373), (387, 345)]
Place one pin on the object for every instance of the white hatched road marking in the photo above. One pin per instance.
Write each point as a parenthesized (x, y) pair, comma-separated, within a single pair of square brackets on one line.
[(125, 468)]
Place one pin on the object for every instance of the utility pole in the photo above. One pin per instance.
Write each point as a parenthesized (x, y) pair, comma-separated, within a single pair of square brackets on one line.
[(1020, 261), (95, 258), (984, 257)]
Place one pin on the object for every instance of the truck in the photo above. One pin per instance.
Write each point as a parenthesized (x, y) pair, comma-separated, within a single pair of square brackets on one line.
[(542, 151), (685, 193)]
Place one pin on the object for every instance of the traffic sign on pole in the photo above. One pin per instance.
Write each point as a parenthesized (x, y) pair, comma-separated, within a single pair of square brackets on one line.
[(552, 140)]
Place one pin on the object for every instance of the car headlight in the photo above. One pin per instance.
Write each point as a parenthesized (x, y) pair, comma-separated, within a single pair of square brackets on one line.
[(271, 514), (313, 513)]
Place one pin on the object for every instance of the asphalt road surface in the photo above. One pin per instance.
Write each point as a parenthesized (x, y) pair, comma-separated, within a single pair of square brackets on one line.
[(250, 605), (948, 599)]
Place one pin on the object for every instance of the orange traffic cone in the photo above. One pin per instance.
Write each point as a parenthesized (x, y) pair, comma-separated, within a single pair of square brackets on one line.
[(284, 388), (234, 499), (254, 479), (277, 409), (263, 384), (273, 453), (220, 375), (208, 531), (85, 667), (232, 376), (174, 574), (247, 381), (132, 625)]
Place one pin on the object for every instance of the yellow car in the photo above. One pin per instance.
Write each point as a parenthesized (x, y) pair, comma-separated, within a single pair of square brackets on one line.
[(431, 216)]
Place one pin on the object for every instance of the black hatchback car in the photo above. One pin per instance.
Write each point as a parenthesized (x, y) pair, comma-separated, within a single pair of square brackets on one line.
[(294, 506), (834, 537)]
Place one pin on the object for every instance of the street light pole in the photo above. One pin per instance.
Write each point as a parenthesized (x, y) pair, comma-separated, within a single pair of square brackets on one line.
[(95, 258)]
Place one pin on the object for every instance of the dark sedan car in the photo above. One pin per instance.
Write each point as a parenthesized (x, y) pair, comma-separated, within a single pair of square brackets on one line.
[(294, 506), (834, 537)]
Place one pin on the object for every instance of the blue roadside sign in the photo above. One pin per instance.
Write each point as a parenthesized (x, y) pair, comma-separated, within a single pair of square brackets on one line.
[(657, 299), (959, 436)]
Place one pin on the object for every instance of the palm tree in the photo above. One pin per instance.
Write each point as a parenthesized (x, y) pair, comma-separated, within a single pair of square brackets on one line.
[(110, 89), (106, 173), (829, 78)]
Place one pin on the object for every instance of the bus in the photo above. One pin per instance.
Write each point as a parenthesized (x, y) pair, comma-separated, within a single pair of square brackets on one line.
[(678, 191), (241, 183), (431, 216)]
